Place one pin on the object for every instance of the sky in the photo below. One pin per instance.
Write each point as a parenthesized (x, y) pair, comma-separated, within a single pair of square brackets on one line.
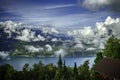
[(61, 14)]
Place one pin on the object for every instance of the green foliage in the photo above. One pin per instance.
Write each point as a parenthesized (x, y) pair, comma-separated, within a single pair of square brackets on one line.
[(75, 72), (99, 57), (65, 72), (84, 71), (6, 72), (112, 47), (59, 62), (25, 67), (93, 75), (40, 71)]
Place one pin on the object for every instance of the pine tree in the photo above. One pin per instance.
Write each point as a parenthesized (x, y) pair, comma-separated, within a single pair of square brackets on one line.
[(59, 62), (75, 72), (112, 47), (84, 71), (65, 72), (99, 57), (59, 71), (25, 67)]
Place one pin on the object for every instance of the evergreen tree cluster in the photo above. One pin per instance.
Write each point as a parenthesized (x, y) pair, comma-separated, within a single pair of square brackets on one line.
[(40, 71)]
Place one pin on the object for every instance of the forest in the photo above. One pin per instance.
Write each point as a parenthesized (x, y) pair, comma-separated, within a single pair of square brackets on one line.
[(60, 71)]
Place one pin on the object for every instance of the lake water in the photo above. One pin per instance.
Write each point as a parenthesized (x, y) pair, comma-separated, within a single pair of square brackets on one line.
[(18, 62)]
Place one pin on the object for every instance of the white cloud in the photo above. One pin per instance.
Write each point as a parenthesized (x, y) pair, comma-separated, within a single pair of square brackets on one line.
[(91, 49), (3, 54), (53, 30), (50, 30), (48, 47), (54, 40), (39, 38), (101, 29), (61, 52), (109, 24), (26, 35), (10, 26), (79, 46), (101, 46), (31, 48), (99, 34), (110, 20), (82, 34)]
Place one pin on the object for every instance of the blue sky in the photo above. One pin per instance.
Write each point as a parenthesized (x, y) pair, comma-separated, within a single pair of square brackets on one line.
[(62, 14)]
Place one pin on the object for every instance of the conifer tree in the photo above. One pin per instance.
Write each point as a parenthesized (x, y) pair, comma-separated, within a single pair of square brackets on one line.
[(99, 57), (112, 47), (59, 62), (75, 72)]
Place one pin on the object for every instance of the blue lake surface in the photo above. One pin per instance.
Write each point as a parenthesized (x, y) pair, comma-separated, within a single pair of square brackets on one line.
[(18, 62)]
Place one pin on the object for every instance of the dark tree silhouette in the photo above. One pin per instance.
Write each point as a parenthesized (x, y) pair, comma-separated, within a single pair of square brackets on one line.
[(99, 57)]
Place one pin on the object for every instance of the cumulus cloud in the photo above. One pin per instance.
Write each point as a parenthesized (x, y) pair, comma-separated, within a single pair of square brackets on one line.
[(54, 39), (85, 32), (25, 33), (50, 30), (28, 35), (97, 4), (110, 25), (10, 26), (82, 35), (99, 34), (61, 52), (48, 47), (4, 55), (32, 48), (39, 38), (79, 46)]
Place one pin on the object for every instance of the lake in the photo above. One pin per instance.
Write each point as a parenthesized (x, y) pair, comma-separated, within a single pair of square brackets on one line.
[(18, 62)]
